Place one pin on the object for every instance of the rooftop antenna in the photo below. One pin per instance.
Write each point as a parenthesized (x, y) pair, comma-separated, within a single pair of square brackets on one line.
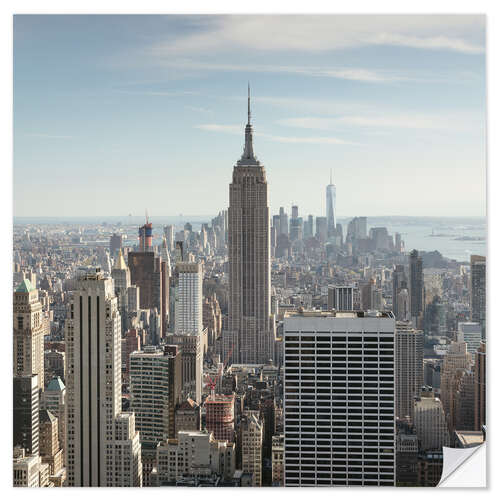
[(147, 216), (249, 115), (330, 175)]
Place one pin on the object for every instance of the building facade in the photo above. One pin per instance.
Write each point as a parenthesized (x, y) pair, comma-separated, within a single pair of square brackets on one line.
[(26, 413), (155, 388), (430, 423), (29, 331), (409, 367), (252, 433), (189, 299), (478, 291), (339, 399), (250, 333), (220, 416), (103, 447)]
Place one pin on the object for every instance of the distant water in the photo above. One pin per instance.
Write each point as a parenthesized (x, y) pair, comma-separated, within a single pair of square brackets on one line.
[(415, 231)]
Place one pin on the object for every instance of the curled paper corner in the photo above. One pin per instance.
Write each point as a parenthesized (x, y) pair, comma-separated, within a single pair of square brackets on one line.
[(464, 467)]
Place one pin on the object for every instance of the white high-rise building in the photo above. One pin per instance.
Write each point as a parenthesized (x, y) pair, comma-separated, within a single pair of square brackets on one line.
[(339, 398), (103, 447), (409, 367), (189, 299)]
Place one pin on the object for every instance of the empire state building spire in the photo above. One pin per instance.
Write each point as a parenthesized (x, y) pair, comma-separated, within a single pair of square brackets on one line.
[(248, 157)]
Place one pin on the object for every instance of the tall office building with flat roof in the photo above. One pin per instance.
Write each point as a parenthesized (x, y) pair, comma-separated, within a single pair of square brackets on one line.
[(339, 398), (480, 387), (189, 299), (155, 389), (409, 367), (26, 413), (478, 291), (340, 297), (416, 283)]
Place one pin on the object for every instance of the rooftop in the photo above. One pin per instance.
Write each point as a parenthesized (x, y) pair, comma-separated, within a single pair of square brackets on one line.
[(339, 314), (25, 286), (469, 439), (56, 384)]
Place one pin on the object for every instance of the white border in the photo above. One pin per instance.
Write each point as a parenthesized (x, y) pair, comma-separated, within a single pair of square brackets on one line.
[(10, 7)]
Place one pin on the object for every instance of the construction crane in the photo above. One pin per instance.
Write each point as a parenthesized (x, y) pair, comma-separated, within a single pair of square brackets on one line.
[(213, 382)]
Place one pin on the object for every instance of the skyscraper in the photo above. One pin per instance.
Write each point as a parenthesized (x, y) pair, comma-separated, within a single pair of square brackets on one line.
[(340, 297), (283, 225), (191, 347), (321, 229), (29, 330), (145, 272), (339, 398), (331, 215), (26, 413), (478, 291), (115, 243), (121, 279), (103, 448), (399, 282), (480, 387), (250, 325), (430, 422), (456, 359), (146, 237), (416, 288), (168, 231), (189, 299), (155, 388), (165, 273), (409, 367)]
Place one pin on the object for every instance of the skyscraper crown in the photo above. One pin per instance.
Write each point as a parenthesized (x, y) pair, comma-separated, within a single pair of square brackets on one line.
[(248, 157)]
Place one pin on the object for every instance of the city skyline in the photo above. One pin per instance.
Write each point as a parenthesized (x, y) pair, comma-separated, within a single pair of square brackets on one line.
[(277, 342), (390, 110)]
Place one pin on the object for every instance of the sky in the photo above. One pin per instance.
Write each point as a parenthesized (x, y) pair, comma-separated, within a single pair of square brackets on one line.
[(117, 114)]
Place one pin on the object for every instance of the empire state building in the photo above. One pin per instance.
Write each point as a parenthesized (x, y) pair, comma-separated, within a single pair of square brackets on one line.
[(250, 335)]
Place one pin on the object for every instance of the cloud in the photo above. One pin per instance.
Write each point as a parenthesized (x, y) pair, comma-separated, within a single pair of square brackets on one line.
[(353, 74), (406, 121), (319, 33), (237, 130)]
